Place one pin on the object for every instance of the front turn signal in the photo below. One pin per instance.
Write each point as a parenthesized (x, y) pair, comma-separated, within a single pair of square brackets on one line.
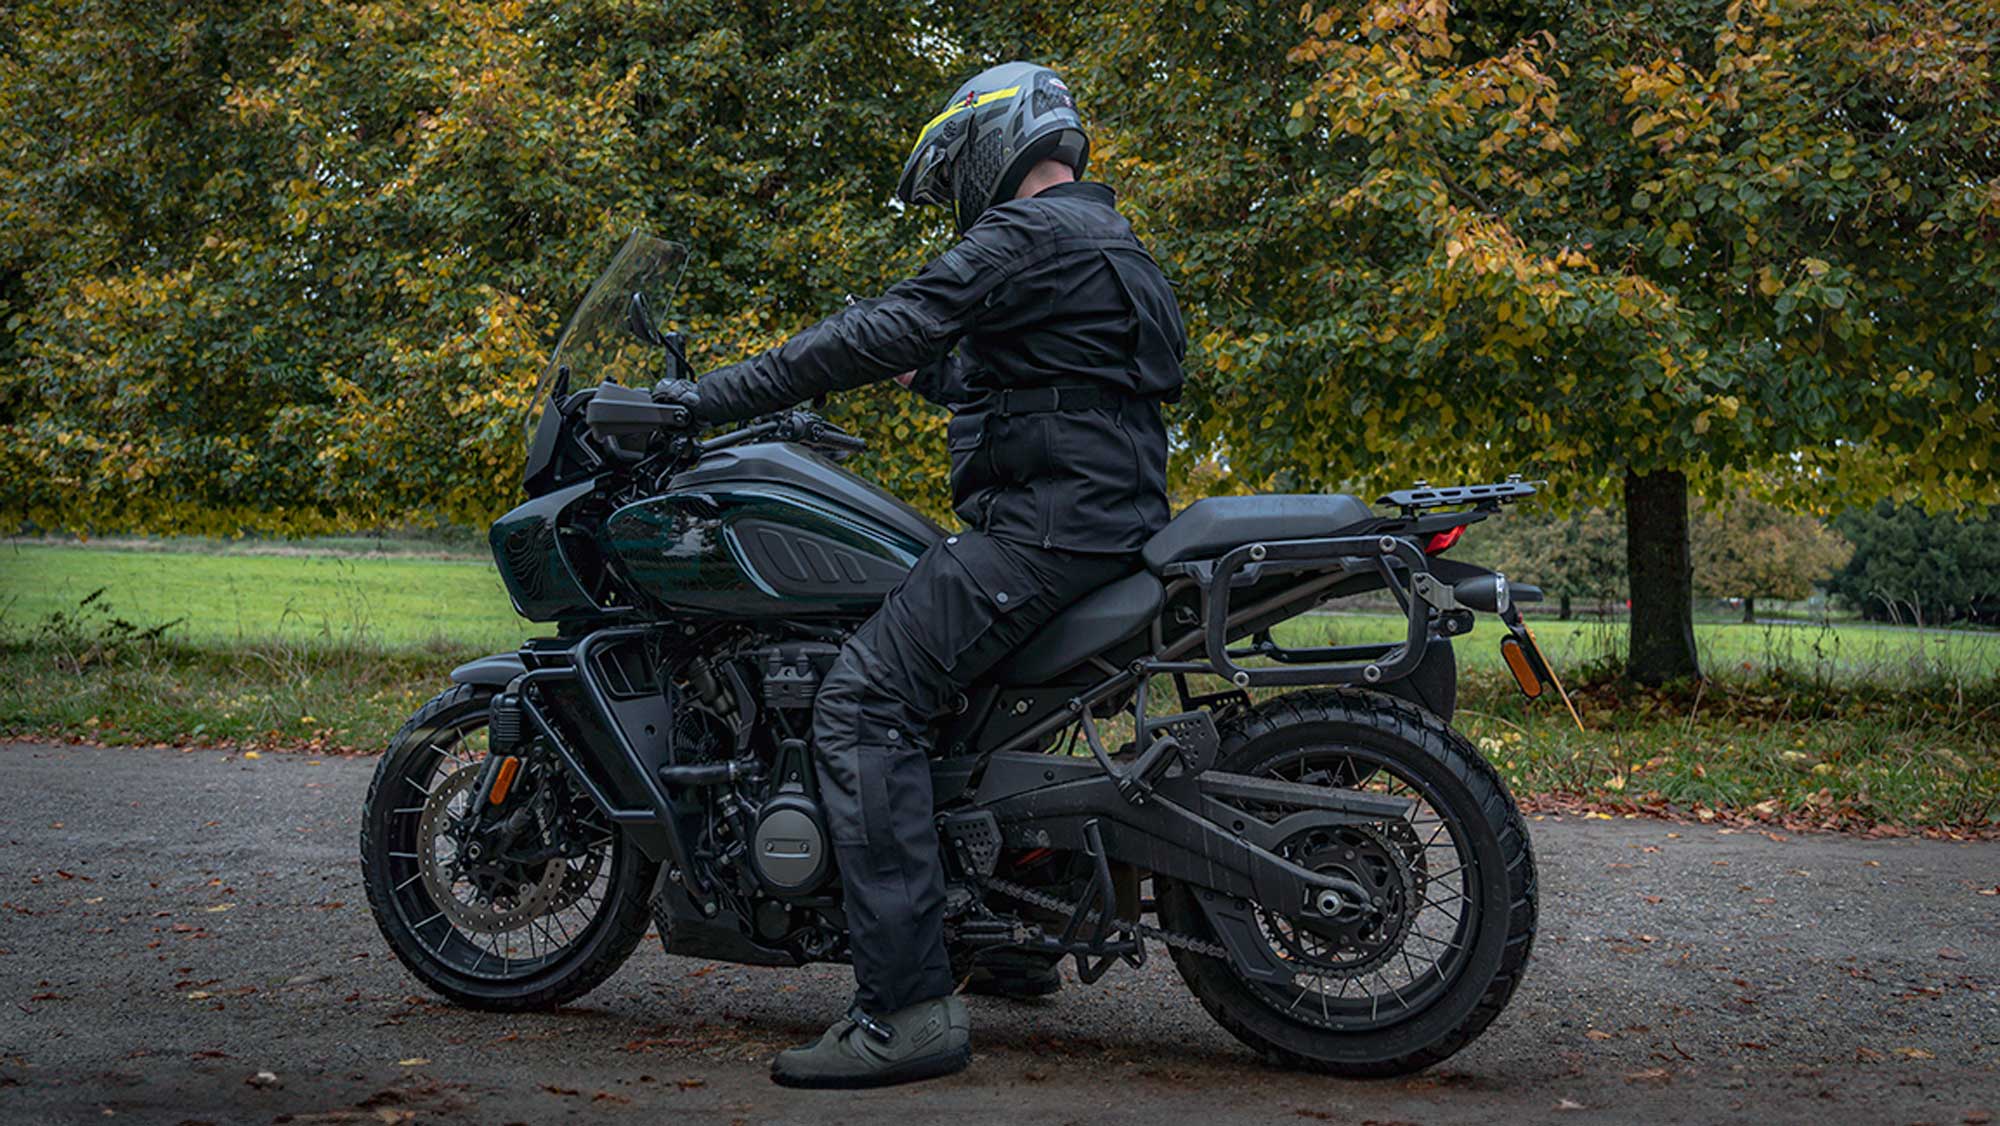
[(503, 779)]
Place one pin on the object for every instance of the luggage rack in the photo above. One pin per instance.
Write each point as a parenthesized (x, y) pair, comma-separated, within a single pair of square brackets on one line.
[(1334, 664), (1416, 588), (1485, 498)]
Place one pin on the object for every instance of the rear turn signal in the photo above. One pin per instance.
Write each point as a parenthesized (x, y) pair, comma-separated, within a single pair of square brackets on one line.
[(504, 779), (1522, 668)]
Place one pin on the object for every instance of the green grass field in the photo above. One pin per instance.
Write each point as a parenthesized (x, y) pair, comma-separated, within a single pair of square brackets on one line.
[(320, 597), (1842, 725), (396, 603)]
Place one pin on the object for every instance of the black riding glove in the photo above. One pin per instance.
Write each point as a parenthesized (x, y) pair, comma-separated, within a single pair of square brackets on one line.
[(683, 393)]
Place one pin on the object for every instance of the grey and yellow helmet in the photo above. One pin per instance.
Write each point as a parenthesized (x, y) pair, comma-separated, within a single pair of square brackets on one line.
[(1001, 123)]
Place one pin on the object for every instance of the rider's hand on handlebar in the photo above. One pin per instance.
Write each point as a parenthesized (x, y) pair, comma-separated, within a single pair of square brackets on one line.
[(681, 393)]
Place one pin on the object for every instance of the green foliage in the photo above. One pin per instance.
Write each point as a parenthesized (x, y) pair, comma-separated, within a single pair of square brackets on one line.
[(295, 266), (1581, 239), (1909, 566)]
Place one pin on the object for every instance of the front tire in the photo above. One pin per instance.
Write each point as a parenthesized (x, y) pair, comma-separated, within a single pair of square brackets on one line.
[(1450, 972), (537, 950)]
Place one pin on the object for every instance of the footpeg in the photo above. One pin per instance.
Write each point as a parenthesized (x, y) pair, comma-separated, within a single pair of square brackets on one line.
[(1194, 736)]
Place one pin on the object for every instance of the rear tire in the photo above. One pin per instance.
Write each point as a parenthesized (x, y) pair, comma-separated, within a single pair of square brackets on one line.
[(432, 947), (1382, 742)]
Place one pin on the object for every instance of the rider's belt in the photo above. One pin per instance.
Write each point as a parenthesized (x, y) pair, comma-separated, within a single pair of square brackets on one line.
[(1046, 400)]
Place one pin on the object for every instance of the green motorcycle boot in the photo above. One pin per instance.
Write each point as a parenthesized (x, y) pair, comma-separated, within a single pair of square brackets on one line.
[(923, 1041), (1013, 976)]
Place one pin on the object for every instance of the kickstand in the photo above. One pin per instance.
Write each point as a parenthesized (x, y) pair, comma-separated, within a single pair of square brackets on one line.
[(1099, 906)]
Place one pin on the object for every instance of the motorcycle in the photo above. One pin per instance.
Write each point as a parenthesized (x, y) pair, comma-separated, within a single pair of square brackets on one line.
[(1338, 876)]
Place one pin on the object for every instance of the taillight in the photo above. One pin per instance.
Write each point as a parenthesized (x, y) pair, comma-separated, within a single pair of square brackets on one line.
[(1442, 542)]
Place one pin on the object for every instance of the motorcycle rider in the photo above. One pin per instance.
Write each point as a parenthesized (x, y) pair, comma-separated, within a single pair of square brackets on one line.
[(1054, 338)]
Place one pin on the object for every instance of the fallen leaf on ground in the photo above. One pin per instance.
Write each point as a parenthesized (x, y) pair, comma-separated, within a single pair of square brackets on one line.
[(1599, 1034), (1914, 1054), (1648, 1075)]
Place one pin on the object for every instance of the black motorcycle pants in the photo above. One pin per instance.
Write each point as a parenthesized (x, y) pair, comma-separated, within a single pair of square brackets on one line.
[(968, 602)]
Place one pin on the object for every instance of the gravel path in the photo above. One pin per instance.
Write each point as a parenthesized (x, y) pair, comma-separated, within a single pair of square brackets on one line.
[(174, 923)]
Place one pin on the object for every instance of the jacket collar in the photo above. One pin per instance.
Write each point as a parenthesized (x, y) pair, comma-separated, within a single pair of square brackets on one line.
[(1081, 189)]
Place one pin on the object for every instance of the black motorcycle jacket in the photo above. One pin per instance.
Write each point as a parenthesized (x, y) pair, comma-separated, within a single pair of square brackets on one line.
[(1053, 337)]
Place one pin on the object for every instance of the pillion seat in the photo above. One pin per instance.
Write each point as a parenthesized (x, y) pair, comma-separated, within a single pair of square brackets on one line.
[(1210, 527), (1120, 611)]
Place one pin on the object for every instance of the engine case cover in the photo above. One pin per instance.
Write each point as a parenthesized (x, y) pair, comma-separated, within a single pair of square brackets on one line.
[(791, 849)]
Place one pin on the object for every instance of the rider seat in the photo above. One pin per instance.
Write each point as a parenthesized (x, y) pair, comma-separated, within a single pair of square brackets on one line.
[(1115, 612)]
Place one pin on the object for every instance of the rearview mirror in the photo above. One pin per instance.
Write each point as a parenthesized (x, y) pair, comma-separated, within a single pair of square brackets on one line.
[(639, 321)]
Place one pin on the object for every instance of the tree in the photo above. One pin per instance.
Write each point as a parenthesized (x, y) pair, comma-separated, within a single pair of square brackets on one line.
[(1747, 548), (1629, 248), (296, 266), (1579, 555), (1910, 566)]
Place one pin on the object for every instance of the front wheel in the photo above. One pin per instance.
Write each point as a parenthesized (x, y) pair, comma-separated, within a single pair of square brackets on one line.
[(535, 925), (1406, 987)]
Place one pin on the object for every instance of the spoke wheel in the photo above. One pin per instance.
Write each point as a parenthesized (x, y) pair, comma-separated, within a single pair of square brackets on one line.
[(488, 930), (1368, 968), (1406, 980)]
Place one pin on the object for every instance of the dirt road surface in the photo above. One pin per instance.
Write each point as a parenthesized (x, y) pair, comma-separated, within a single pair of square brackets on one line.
[(173, 924)]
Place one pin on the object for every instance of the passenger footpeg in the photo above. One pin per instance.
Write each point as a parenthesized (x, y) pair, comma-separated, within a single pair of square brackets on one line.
[(1194, 735)]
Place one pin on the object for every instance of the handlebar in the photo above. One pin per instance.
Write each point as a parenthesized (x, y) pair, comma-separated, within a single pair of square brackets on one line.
[(802, 427)]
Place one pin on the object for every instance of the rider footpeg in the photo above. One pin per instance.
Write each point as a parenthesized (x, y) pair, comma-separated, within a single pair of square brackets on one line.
[(974, 837)]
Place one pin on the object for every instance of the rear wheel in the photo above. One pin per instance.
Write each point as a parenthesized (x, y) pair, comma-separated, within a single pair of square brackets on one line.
[(1403, 987), (495, 932)]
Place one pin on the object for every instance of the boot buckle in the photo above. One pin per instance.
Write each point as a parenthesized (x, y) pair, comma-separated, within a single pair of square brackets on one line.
[(883, 1033)]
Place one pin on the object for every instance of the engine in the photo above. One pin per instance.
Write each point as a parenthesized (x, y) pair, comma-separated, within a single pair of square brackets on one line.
[(765, 835)]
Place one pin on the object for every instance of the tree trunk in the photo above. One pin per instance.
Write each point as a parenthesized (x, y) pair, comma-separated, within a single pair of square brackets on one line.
[(1565, 606), (1749, 610), (1661, 573)]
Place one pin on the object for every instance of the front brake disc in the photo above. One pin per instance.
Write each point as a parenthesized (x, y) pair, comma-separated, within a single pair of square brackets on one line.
[(468, 907)]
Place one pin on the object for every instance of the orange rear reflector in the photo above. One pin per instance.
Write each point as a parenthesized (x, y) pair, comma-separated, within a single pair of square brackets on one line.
[(1522, 668), (503, 780)]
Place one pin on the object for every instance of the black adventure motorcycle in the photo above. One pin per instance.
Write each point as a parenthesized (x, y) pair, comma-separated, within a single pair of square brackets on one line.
[(1340, 878)]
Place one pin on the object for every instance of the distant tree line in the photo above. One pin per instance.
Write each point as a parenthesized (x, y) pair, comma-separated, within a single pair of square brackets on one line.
[(1888, 562)]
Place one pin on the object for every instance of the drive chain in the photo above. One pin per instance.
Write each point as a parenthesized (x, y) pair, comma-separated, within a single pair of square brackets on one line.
[(1051, 903)]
